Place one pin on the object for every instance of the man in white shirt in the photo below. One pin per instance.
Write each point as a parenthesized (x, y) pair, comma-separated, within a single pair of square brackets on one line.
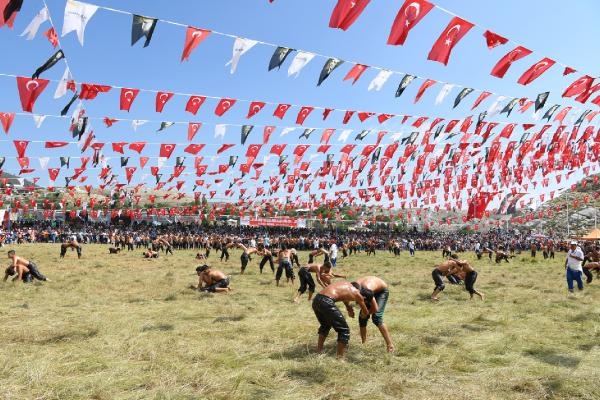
[(573, 266), (333, 253)]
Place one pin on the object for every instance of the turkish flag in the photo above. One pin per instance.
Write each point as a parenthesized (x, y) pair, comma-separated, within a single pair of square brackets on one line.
[(224, 106), (347, 115), (327, 135), (255, 108), (505, 62), (143, 161), (29, 91), (193, 37), (21, 146), (129, 173), (346, 12), (347, 148), (224, 147), (118, 147), (456, 29), (127, 97), (52, 37), (194, 103), (166, 150), (426, 85), (7, 118), (301, 149), (109, 121), (54, 145), (223, 168), (53, 173), (408, 16), (281, 110), (154, 171), (356, 72), (482, 96), (384, 117), (536, 70), (493, 39), (161, 100), (579, 86), (193, 128), (267, 133), (194, 148), (253, 150), (137, 146), (89, 91), (326, 113), (303, 113), (323, 148), (277, 149), (23, 162)]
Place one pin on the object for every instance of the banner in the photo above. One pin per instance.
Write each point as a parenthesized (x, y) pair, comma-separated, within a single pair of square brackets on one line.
[(282, 221)]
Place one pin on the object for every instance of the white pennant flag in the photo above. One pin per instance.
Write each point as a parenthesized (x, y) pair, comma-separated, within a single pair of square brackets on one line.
[(161, 162), (220, 130), (61, 88), (495, 107), (137, 122), (44, 162), (445, 91), (287, 130), (381, 78), (104, 161), (35, 23), (77, 15), (38, 119), (344, 135), (240, 46), (299, 62)]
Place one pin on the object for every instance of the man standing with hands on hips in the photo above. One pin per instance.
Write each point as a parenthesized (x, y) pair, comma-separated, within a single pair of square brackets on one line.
[(573, 266)]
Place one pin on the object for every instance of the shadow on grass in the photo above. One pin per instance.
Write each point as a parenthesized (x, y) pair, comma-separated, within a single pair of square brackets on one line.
[(297, 352), (551, 357), (228, 318), (67, 337), (158, 327), (309, 374)]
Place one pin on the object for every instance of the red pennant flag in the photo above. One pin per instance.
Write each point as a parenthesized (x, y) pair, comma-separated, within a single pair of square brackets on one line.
[(29, 91), (482, 96), (346, 12), (194, 103), (53, 173), (327, 135), (224, 147), (193, 128), (129, 173), (143, 161), (536, 70), (581, 85), (127, 97), (7, 118), (223, 168), (54, 145), (493, 39), (301, 149), (505, 62), (427, 84), (89, 91), (52, 37), (255, 108), (355, 72), (347, 148), (137, 146), (323, 148), (267, 133), (118, 147), (364, 115), (347, 115), (408, 16), (224, 106), (109, 121), (303, 113), (166, 150), (281, 110), (253, 150), (193, 37), (21, 146), (277, 149), (443, 46), (326, 113), (384, 117), (161, 100), (568, 70), (194, 148)]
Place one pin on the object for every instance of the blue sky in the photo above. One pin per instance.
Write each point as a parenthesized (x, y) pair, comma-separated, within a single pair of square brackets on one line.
[(563, 32)]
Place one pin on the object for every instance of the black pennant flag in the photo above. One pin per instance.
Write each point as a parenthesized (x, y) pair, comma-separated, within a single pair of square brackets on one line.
[(550, 111), (282, 158), (375, 156), (124, 161), (328, 68), (246, 129), (481, 117), (65, 110), (59, 55), (540, 101), (306, 133), (64, 161), (12, 7), (362, 135), (410, 139), (164, 125), (329, 159), (142, 27), (80, 127), (404, 83), (279, 57), (508, 108), (158, 176), (438, 130), (179, 161), (67, 180), (582, 116), (232, 160), (2, 159), (463, 93)]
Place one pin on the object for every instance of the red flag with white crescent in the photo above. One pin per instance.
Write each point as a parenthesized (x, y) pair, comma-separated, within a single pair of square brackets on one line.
[(137, 146), (193, 128), (277, 149), (161, 100), (505, 62), (426, 85), (408, 16), (281, 110), (346, 12), (143, 161), (194, 103), (355, 73), (54, 145), (267, 133), (255, 108), (303, 113), (481, 97), (224, 105), (166, 149), (493, 39), (579, 86), (253, 150), (327, 135), (21, 146), (118, 147), (6, 119), (443, 46), (129, 173), (53, 173), (194, 148), (29, 91), (127, 98), (193, 37), (536, 70)]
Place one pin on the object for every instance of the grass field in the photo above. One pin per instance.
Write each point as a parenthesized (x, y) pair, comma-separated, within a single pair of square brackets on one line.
[(121, 327)]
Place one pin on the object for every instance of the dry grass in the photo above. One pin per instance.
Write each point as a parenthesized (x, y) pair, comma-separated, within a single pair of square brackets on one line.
[(121, 327)]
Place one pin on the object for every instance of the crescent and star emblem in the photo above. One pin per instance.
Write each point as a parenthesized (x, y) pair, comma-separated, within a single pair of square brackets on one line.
[(413, 15), (168, 148), (225, 105), (163, 97), (33, 84), (194, 126), (197, 34), (450, 35), (128, 95)]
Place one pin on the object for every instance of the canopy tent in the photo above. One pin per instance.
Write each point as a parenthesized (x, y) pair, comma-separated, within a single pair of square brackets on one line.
[(593, 235)]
